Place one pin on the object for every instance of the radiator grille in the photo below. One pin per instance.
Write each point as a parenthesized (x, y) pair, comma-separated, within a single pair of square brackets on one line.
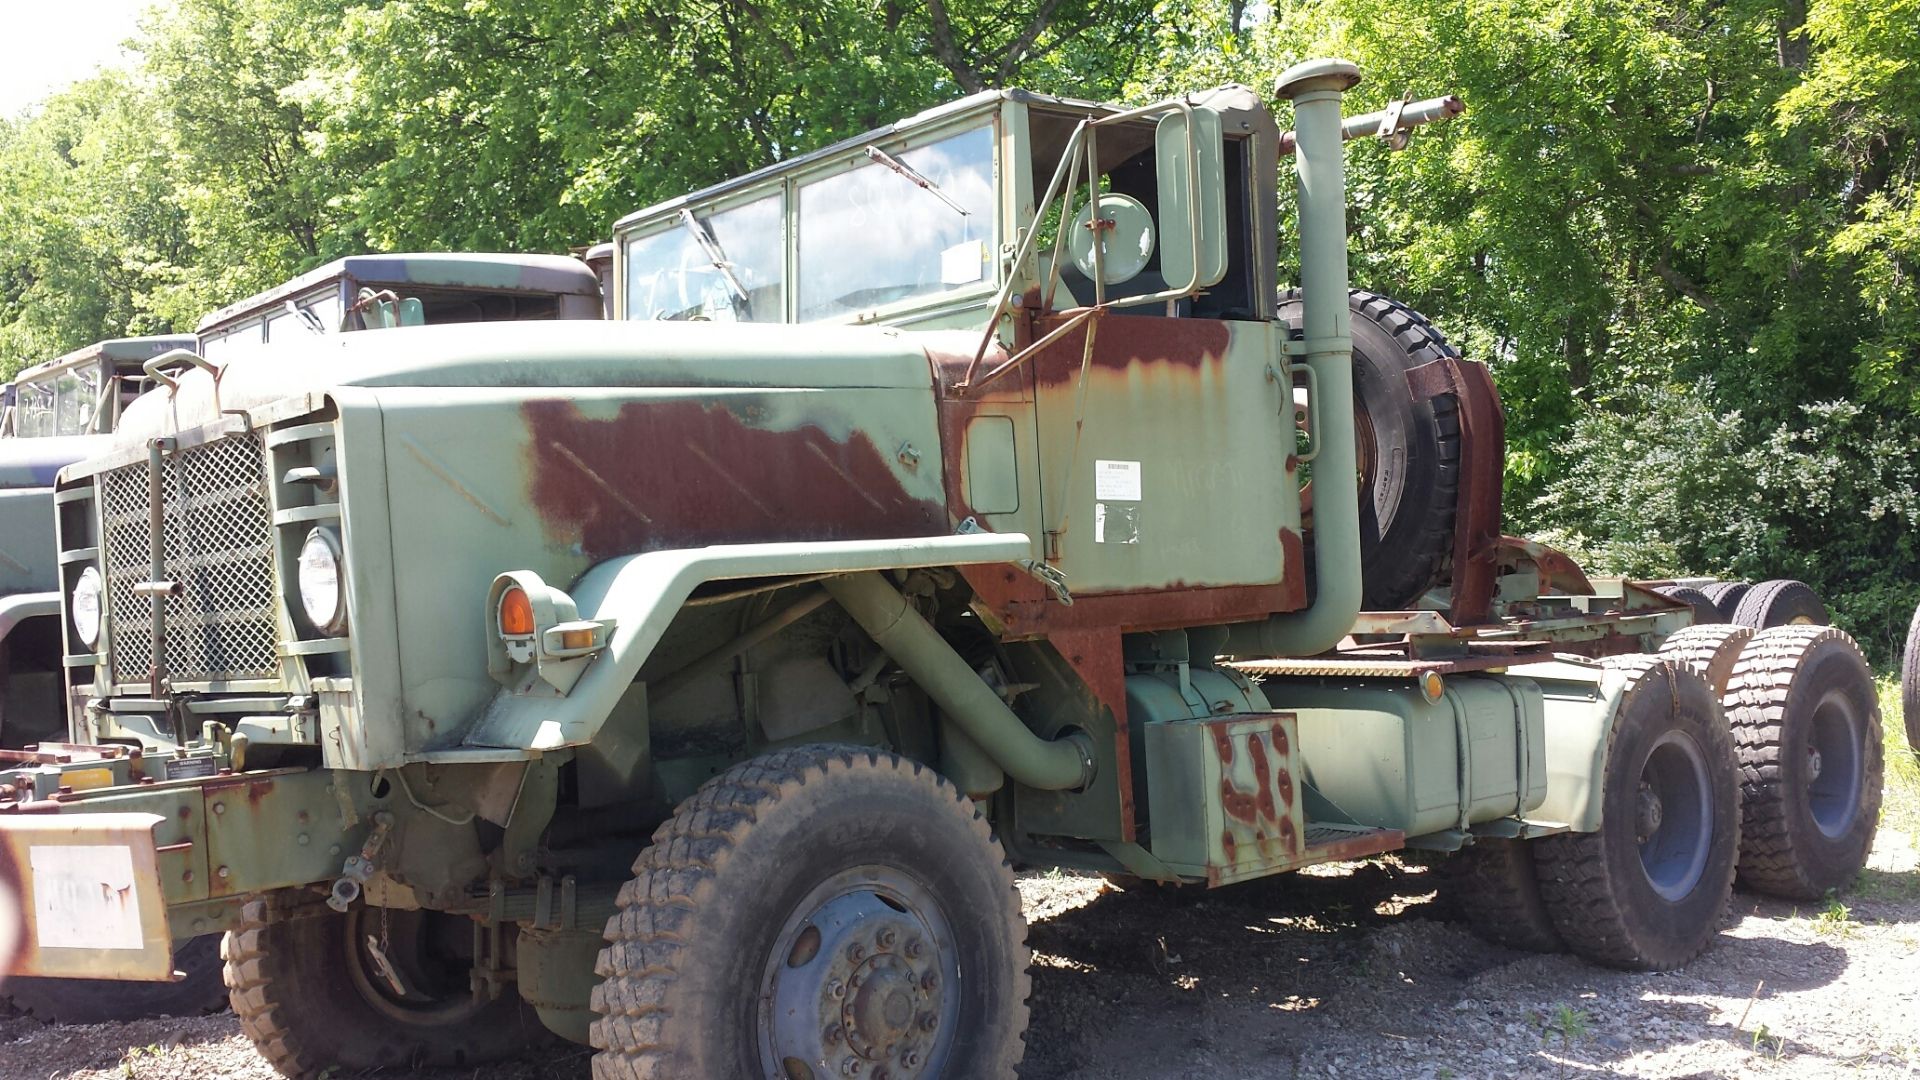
[(218, 546)]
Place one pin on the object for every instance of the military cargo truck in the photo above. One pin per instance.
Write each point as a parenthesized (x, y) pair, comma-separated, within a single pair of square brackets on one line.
[(692, 690)]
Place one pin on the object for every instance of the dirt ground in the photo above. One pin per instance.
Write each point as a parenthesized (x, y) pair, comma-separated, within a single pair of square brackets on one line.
[(1354, 970)]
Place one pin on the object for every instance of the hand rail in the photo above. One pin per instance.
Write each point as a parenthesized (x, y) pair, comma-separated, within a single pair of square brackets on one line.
[(173, 356)]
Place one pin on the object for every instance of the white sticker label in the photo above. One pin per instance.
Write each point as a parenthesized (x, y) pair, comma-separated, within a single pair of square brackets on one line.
[(83, 897), (964, 263), (1116, 481)]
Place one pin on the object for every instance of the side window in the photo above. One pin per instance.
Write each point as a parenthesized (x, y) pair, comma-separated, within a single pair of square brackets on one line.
[(874, 235), (673, 275), (33, 414), (73, 403)]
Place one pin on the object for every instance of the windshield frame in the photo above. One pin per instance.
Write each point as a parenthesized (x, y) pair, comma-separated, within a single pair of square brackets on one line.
[(1001, 114)]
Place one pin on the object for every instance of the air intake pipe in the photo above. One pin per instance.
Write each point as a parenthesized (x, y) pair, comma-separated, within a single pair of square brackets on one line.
[(1319, 167), (965, 698)]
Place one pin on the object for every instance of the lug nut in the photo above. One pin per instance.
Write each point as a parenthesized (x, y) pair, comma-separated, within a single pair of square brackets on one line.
[(929, 1022), (834, 1034), (930, 980), (855, 953), (850, 1067), (913, 948), (911, 1059), (887, 938), (837, 989)]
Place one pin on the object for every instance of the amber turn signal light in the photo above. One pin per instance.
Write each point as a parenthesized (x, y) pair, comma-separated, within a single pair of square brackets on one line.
[(516, 613)]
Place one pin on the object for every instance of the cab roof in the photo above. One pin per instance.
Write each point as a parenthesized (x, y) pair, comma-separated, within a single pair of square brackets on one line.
[(503, 271), (132, 350)]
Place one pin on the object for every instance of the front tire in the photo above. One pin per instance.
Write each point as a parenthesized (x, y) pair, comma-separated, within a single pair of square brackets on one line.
[(308, 996), (1647, 891), (818, 912), (1807, 725)]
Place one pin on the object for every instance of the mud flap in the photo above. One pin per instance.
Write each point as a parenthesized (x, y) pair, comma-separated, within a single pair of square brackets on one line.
[(80, 897)]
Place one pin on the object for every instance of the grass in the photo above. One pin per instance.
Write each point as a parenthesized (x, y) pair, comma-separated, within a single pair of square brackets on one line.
[(1569, 1023), (1835, 921), (1900, 805)]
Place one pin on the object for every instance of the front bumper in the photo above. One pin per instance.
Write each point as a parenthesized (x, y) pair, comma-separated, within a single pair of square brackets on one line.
[(81, 897)]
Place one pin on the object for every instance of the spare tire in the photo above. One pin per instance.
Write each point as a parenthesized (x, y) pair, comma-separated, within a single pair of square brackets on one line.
[(1781, 603), (1726, 596), (1910, 683), (1408, 451), (1704, 611)]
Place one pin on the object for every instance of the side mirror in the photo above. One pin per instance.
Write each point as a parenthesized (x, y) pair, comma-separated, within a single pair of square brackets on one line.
[(1191, 170)]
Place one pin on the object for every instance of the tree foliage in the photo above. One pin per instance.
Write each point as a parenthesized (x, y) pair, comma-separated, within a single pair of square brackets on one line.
[(1684, 232)]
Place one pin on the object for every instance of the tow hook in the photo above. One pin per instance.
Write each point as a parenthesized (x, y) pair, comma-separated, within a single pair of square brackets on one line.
[(356, 871)]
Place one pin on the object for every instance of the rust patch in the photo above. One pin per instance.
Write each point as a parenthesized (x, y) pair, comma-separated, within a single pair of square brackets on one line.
[(1126, 343), (1095, 656), (1024, 609), (678, 474)]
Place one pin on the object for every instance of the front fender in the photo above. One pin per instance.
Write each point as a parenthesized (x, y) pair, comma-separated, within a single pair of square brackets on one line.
[(20, 607), (644, 592)]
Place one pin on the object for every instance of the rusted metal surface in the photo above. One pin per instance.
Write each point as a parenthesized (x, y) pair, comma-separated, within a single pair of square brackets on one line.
[(1333, 843), (1476, 535), (1559, 574), (81, 897), (1095, 656), (601, 483), (1262, 815), (1383, 664)]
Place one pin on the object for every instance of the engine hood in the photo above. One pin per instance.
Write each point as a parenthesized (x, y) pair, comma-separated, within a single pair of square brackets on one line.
[(544, 355), (32, 463)]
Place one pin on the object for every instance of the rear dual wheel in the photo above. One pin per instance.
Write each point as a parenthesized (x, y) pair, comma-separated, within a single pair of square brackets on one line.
[(1806, 721), (1648, 889)]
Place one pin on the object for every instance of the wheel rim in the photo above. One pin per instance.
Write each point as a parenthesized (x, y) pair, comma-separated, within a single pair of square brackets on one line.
[(1801, 620), (1673, 820), (425, 954), (1834, 766), (863, 976)]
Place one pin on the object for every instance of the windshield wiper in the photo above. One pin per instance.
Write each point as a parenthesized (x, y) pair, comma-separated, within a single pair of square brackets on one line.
[(715, 254), (916, 178)]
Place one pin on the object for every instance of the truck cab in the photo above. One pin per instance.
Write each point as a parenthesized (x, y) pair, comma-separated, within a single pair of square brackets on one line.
[(362, 292)]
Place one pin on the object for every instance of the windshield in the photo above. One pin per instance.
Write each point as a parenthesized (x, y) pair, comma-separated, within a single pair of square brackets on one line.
[(671, 275), (57, 403), (875, 235)]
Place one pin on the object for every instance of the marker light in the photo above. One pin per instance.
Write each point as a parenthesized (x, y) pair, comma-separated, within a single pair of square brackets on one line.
[(516, 613)]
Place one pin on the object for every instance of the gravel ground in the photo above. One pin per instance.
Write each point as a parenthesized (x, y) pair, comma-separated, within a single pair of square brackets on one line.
[(1353, 970)]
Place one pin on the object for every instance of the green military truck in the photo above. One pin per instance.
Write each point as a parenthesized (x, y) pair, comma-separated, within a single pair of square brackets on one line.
[(693, 690)]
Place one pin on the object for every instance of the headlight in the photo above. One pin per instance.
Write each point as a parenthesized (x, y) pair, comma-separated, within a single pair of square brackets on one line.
[(85, 606), (323, 588)]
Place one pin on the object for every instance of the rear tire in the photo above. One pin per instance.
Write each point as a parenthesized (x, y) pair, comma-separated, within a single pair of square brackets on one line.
[(1807, 726), (1704, 611), (1781, 603), (1496, 891), (1648, 890), (1910, 684), (1726, 596), (1409, 451), (1712, 650), (102, 1001), (823, 911), (305, 994)]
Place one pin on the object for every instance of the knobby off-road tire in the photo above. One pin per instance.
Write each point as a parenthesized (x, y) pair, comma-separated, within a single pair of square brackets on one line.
[(1648, 890), (1712, 650), (1409, 452), (1780, 603), (807, 908), (1726, 596), (101, 1001), (1910, 683), (1704, 611), (1807, 727), (1495, 887), (298, 981)]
